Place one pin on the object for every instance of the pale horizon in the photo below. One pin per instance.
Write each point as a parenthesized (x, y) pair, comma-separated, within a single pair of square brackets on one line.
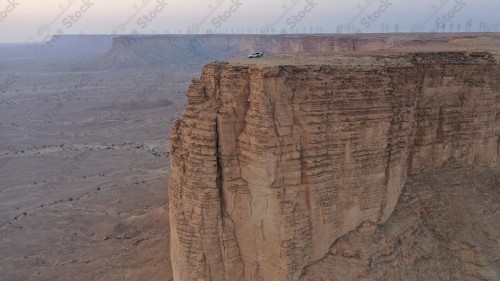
[(22, 20)]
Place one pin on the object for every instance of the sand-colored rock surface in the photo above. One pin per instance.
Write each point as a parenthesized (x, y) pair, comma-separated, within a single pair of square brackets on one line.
[(274, 160), (445, 227)]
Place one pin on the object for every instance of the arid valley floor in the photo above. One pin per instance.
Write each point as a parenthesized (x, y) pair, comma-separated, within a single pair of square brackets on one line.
[(84, 166)]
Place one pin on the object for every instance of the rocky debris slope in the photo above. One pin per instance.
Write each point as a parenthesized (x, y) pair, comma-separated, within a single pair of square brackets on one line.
[(445, 227), (273, 161)]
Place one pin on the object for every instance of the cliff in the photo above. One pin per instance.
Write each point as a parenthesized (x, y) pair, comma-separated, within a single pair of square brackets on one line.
[(275, 160), (140, 50)]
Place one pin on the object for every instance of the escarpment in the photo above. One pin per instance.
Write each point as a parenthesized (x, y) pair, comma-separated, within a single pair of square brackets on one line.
[(146, 50), (273, 161)]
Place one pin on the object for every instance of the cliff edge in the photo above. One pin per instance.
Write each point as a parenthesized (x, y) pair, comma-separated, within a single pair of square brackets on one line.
[(275, 161)]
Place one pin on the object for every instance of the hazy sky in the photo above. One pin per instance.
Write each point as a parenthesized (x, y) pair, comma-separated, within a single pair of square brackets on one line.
[(22, 20)]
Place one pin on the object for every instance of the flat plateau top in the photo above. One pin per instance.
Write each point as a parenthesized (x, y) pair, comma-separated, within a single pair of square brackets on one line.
[(304, 59), (391, 56)]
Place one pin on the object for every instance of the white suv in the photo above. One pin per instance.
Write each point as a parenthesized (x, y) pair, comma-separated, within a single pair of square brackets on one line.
[(256, 55)]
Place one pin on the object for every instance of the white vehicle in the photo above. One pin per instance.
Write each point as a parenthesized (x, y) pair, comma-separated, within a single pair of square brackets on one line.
[(256, 55)]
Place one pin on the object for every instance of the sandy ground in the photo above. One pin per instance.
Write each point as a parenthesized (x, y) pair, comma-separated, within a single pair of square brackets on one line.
[(84, 168)]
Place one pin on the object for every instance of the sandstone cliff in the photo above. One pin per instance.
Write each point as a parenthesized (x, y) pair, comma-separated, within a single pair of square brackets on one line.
[(133, 50), (273, 161), (445, 227)]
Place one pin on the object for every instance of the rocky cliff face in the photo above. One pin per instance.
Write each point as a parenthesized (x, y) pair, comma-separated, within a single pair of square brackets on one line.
[(133, 50), (274, 161), (445, 227)]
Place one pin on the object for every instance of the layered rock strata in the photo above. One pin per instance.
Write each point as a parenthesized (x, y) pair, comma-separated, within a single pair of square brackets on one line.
[(445, 227), (133, 50), (273, 161)]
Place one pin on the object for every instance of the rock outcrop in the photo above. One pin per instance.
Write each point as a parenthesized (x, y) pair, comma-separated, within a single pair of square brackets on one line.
[(274, 160)]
